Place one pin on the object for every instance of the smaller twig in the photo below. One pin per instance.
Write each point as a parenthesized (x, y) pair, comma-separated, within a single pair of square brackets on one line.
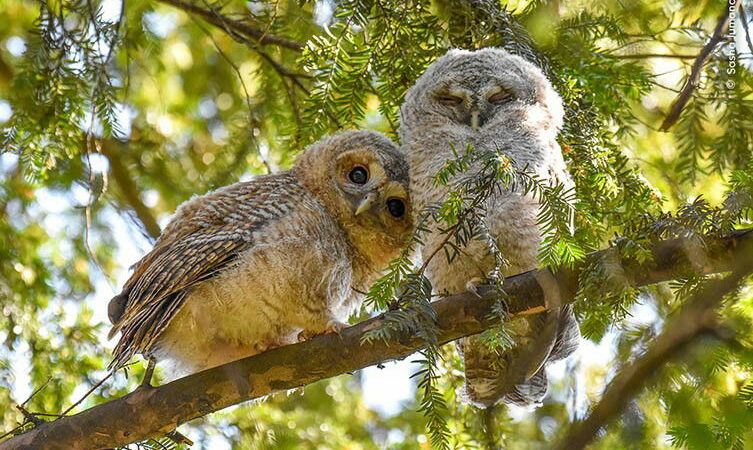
[(272, 20), (652, 55), (179, 438), (695, 73), (29, 416), (646, 124), (240, 27), (146, 382), (225, 23), (666, 72), (626, 44), (46, 414), (659, 85), (153, 442), (36, 391), (280, 69), (451, 232), (4, 435), (91, 144), (236, 69), (746, 28), (359, 291), (118, 26), (88, 393)]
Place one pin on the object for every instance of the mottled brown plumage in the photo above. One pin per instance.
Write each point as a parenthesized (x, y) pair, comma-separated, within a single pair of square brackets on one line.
[(257, 264)]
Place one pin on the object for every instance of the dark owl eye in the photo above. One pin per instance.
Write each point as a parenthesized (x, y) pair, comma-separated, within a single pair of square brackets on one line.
[(358, 175), (396, 207), (449, 100), (500, 97)]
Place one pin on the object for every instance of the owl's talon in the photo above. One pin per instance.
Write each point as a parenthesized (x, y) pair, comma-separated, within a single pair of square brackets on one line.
[(262, 347), (336, 327), (332, 327), (472, 286)]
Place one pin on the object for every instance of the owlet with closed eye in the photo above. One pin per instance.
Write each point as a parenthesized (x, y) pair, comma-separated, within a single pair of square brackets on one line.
[(266, 262), (491, 100)]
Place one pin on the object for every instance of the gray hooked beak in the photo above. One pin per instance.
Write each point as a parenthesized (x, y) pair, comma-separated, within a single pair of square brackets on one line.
[(474, 119), (366, 202)]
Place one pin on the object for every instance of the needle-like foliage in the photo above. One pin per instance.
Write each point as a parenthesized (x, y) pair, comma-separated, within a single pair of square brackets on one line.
[(113, 112)]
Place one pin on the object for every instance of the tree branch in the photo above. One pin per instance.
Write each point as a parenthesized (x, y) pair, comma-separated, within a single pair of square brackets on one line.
[(651, 55), (129, 189), (148, 412), (696, 318), (746, 28), (6, 72), (240, 27), (695, 72), (230, 27), (241, 32)]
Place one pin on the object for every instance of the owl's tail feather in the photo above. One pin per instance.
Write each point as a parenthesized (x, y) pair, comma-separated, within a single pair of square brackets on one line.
[(532, 392), (486, 386), (568, 336)]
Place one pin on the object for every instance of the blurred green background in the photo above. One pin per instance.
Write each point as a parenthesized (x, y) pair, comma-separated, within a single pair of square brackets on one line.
[(115, 111)]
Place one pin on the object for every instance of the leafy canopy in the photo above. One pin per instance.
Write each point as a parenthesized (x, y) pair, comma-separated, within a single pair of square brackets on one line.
[(115, 112)]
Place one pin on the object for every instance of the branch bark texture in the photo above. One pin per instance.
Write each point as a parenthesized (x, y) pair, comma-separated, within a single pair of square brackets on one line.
[(696, 318), (149, 412)]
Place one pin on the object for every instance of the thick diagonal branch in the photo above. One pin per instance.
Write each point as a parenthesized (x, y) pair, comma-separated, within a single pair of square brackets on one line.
[(149, 412), (695, 72), (696, 318), (239, 27)]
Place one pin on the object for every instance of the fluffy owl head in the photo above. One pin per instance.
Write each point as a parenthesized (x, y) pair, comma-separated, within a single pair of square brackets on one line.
[(363, 178), (476, 88)]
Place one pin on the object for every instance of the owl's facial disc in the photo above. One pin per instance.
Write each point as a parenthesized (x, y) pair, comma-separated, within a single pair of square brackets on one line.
[(374, 197)]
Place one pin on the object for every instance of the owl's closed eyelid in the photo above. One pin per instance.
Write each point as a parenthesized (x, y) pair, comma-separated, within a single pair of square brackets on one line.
[(449, 99), (451, 89), (501, 96)]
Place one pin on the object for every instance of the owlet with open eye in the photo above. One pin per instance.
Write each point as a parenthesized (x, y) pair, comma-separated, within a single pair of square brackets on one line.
[(491, 100), (267, 262)]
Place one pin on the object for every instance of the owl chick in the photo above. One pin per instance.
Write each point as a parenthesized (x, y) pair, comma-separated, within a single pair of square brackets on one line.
[(491, 100), (259, 264)]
